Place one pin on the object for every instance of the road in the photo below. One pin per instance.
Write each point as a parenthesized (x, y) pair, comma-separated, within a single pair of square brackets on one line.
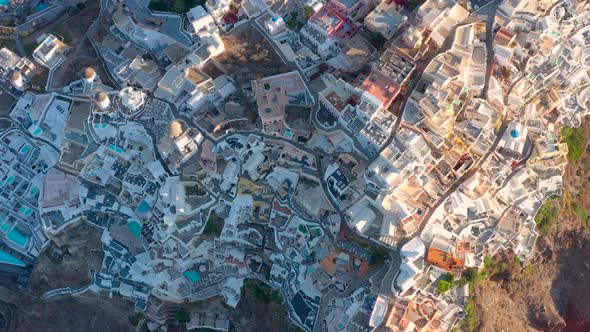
[(491, 13)]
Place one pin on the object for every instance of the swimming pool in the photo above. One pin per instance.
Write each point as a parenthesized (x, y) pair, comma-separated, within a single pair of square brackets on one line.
[(18, 237), (9, 259), (135, 228), (9, 180), (116, 148), (26, 211), (4, 2), (25, 148), (143, 207), (192, 276), (39, 7)]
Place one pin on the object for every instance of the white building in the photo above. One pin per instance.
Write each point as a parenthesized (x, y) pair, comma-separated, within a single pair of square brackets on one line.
[(412, 265), (88, 78), (275, 25), (17, 81), (103, 101), (319, 39), (385, 20), (439, 17), (217, 8), (131, 100), (50, 52), (207, 39), (514, 140)]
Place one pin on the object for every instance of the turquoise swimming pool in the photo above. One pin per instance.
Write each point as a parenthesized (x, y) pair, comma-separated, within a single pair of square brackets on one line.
[(26, 211), (135, 228), (192, 276), (116, 148), (17, 237), (143, 207), (39, 7), (25, 148), (4, 2), (9, 259), (10, 179)]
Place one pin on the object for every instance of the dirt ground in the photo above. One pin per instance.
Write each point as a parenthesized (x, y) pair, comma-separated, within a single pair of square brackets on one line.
[(248, 56), (73, 29), (254, 315), (68, 260), (553, 294), (74, 32), (6, 100), (75, 314)]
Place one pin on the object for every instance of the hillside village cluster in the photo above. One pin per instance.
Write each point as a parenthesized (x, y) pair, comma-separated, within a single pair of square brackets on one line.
[(357, 181)]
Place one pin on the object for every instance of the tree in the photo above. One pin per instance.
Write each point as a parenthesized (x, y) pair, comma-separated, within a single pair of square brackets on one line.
[(308, 11), (443, 286), (182, 316), (136, 318), (446, 283), (489, 262), (471, 276), (179, 6), (378, 256), (471, 320)]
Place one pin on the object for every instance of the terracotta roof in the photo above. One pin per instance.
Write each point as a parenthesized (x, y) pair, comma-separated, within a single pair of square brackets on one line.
[(443, 259)]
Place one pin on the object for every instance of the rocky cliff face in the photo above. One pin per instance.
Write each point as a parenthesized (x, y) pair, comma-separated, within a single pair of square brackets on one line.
[(553, 293)]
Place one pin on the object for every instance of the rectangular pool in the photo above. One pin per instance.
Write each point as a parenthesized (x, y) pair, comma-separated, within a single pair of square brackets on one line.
[(17, 237), (9, 259)]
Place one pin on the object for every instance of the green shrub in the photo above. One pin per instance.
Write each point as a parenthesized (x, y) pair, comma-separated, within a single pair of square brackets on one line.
[(182, 316), (446, 283), (308, 11), (262, 292), (574, 138), (471, 276), (135, 318), (378, 256), (214, 225), (471, 321), (443, 286), (581, 212), (546, 215)]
